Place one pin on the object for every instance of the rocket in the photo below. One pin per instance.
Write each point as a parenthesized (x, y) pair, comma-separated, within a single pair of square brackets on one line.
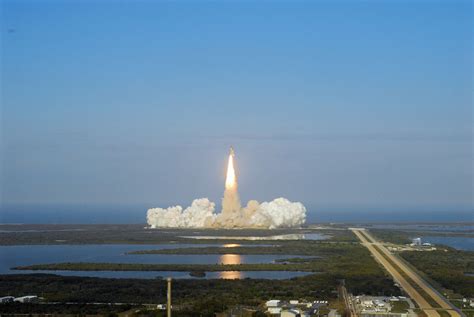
[(232, 151)]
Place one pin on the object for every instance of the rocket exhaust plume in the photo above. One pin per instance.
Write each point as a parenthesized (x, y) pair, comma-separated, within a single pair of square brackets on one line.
[(279, 213), (231, 179), (231, 201)]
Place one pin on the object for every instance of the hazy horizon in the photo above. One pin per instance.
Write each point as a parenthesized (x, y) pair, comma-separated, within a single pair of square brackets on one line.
[(123, 214)]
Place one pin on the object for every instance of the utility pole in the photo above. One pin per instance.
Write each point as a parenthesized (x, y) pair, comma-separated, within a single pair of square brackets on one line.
[(168, 305)]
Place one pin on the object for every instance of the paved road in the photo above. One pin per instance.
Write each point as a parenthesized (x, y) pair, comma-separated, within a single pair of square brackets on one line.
[(439, 299), (370, 242), (348, 301), (410, 290)]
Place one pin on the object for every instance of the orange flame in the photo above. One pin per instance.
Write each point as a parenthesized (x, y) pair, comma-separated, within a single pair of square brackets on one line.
[(230, 181)]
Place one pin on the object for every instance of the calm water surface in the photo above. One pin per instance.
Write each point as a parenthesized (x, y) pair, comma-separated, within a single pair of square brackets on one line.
[(427, 227), (274, 275), (290, 236), (460, 243), (11, 256)]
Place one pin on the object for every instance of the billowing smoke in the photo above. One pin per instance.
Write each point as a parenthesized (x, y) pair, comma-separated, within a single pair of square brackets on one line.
[(199, 215), (279, 213)]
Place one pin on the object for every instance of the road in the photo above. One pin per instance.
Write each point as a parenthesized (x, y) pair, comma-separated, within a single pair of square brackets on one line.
[(348, 301), (369, 242), (438, 298)]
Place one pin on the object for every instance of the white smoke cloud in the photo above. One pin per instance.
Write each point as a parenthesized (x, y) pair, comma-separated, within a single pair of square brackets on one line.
[(199, 215), (279, 213)]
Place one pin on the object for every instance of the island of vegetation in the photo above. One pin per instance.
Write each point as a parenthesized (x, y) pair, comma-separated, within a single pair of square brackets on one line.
[(34, 234)]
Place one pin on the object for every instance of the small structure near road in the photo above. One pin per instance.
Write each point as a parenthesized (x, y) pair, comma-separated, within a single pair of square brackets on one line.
[(27, 299), (22, 299), (302, 308), (6, 299), (273, 303), (382, 306)]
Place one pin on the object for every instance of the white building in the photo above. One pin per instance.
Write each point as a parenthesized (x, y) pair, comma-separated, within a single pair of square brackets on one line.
[(274, 310), (27, 299), (416, 241), (273, 303), (367, 303), (6, 299)]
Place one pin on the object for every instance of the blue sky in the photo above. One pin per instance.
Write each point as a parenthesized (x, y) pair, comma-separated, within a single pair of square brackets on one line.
[(337, 104)]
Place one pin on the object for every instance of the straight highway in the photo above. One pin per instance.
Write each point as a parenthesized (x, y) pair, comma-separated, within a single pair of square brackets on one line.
[(438, 298), (382, 254)]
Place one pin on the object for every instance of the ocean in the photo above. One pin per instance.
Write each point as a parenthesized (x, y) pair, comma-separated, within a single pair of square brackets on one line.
[(136, 214)]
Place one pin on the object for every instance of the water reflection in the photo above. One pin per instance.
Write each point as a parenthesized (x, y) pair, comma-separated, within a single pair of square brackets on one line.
[(230, 259), (290, 236), (230, 275), (231, 245)]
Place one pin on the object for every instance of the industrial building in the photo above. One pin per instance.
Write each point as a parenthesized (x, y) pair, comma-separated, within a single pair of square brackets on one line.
[(276, 307), (27, 299), (380, 306), (416, 242), (6, 299), (22, 299)]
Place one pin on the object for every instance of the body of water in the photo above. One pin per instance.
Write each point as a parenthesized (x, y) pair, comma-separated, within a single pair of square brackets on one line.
[(459, 243), (230, 275), (427, 227), (291, 236), (12, 256), (136, 214)]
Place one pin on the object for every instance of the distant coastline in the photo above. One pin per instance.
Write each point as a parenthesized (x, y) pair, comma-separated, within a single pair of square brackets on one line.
[(135, 214)]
